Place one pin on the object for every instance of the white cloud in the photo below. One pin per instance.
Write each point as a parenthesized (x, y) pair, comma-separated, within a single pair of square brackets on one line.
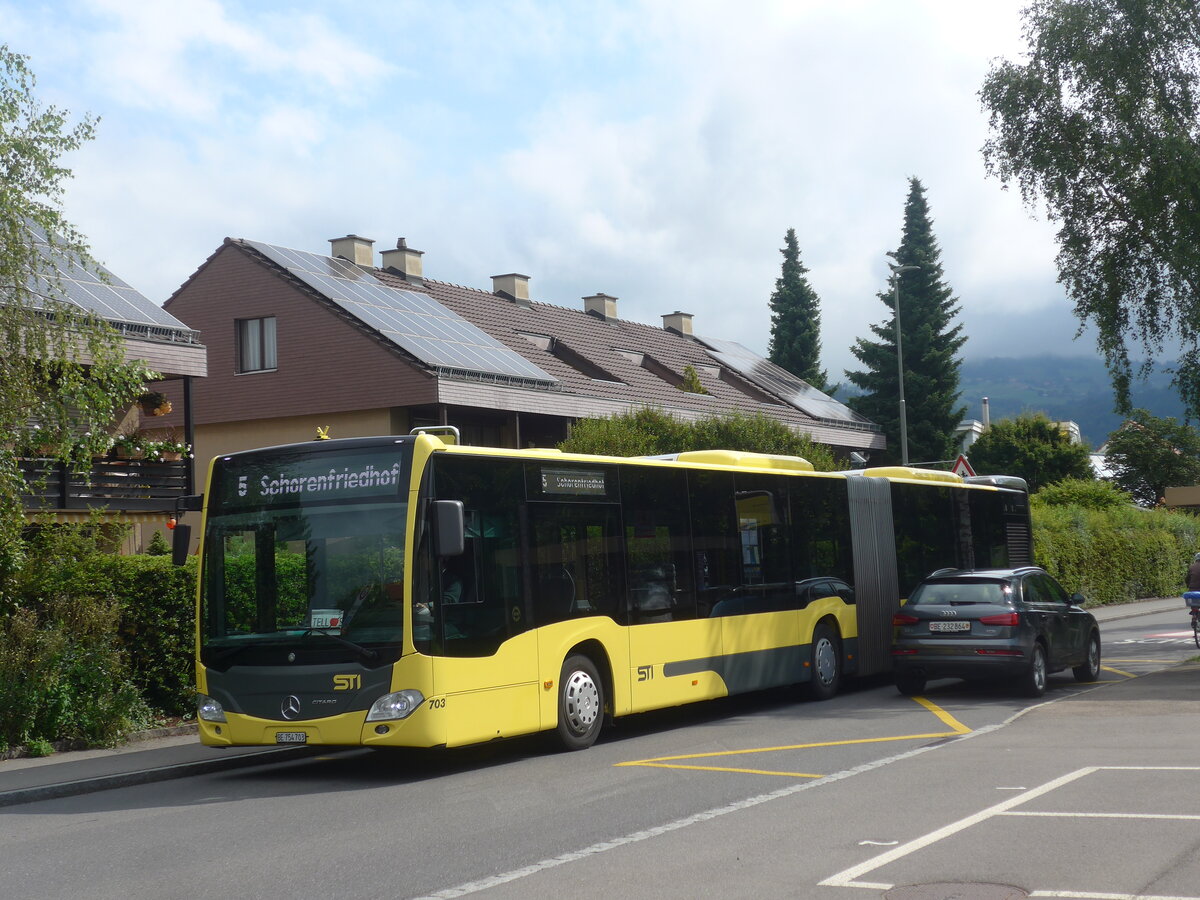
[(653, 150)]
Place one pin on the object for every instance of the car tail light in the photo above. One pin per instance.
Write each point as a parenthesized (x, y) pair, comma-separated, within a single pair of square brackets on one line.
[(903, 651), (904, 619), (1010, 618)]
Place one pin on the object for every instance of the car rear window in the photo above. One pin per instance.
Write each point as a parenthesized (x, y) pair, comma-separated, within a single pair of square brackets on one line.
[(955, 593)]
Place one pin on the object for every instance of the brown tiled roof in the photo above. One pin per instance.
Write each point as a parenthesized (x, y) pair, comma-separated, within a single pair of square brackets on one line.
[(582, 351), (601, 341)]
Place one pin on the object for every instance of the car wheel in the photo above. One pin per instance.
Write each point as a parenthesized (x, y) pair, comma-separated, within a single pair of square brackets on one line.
[(826, 664), (1089, 669), (580, 703), (1033, 682), (910, 684)]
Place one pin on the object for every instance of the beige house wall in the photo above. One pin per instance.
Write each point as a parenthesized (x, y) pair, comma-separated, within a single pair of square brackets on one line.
[(221, 438)]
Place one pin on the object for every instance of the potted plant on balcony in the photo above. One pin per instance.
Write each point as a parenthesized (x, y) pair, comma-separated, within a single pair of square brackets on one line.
[(168, 450), (154, 403), (128, 445)]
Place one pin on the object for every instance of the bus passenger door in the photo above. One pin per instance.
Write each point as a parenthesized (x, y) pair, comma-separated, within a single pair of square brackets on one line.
[(674, 645), (485, 655)]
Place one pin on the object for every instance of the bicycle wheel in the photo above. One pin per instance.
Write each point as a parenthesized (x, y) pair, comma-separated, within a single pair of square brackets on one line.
[(1196, 627)]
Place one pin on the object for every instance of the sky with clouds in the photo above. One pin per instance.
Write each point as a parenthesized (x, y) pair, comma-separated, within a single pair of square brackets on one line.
[(654, 150)]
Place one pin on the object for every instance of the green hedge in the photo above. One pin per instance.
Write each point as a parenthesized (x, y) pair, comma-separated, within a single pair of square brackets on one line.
[(92, 644), (1117, 554)]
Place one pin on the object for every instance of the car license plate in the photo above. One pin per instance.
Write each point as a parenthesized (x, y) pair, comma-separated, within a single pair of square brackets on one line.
[(949, 626), (291, 737)]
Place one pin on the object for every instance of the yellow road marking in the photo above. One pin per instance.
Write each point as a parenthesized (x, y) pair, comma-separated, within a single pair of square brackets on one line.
[(653, 765), (1118, 671), (959, 727), (675, 762)]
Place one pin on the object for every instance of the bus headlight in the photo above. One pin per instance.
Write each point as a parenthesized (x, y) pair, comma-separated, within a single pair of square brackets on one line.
[(209, 709), (399, 705)]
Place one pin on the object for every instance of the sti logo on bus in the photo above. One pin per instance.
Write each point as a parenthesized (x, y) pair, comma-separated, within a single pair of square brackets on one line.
[(347, 682)]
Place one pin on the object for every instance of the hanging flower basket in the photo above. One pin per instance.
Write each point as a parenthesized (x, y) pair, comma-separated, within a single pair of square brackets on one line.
[(154, 403)]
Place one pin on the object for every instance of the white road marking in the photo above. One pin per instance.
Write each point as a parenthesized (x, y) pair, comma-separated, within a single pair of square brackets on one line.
[(1086, 815), (1089, 895), (483, 884), (878, 843), (849, 877)]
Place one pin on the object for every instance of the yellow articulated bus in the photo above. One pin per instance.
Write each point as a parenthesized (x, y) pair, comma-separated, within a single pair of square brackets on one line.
[(409, 591)]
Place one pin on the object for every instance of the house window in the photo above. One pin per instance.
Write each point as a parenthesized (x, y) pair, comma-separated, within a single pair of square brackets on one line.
[(256, 344)]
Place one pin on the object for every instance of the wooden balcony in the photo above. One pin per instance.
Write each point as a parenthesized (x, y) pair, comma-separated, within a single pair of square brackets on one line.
[(113, 484)]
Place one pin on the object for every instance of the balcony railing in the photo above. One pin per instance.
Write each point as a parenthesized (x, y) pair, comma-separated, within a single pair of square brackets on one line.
[(115, 484)]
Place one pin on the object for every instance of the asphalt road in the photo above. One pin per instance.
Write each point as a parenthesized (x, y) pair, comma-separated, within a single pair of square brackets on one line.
[(1085, 795)]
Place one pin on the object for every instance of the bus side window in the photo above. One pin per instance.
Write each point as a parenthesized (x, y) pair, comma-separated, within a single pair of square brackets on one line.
[(657, 545), (716, 541), (477, 596), (576, 555)]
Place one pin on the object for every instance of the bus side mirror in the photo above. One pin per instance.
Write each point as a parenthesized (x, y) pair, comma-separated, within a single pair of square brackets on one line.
[(181, 539), (449, 538)]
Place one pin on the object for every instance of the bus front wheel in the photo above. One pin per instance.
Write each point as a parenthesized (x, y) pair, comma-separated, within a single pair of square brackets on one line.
[(826, 664), (580, 703)]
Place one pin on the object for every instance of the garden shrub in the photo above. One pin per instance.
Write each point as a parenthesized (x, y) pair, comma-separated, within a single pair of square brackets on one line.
[(652, 432), (1115, 554), (92, 644)]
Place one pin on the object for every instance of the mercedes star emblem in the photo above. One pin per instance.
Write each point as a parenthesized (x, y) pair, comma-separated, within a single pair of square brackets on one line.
[(290, 707)]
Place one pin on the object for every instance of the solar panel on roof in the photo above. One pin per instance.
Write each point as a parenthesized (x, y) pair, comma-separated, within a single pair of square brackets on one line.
[(413, 321), (784, 384), (97, 290)]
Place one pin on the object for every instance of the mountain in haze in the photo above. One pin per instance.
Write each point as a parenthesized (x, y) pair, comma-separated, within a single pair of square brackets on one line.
[(1074, 388)]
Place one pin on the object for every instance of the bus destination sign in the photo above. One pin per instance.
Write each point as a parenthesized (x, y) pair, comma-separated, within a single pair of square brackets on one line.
[(578, 482), (283, 479)]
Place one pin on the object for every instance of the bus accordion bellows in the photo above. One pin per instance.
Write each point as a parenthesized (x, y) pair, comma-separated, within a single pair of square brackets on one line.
[(409, 591)]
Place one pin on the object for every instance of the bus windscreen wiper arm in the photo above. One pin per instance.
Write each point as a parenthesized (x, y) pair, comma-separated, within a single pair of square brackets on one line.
[(365, 652)]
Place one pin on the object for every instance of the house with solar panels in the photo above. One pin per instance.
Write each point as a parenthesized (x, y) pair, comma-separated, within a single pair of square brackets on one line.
[(299, 341), (132, 486)]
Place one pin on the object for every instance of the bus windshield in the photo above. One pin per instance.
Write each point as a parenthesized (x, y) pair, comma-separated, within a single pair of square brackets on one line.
[(304, 555)]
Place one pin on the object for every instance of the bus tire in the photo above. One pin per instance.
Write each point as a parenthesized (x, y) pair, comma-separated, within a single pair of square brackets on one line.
[(580, 703), (826, 664)]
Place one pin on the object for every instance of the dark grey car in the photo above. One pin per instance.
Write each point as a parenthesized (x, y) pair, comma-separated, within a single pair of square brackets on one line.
[(1017, 624)]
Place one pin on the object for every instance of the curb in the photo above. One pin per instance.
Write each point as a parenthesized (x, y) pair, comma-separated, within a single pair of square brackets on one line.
[(150, 776), (135, 737)]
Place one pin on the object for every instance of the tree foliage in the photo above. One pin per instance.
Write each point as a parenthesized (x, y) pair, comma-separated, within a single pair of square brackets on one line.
[(1088, 493), (796, 319), (63, 370), (652, 432), (1030, 447), (1148, 454), (930, 343), (1101, 123)]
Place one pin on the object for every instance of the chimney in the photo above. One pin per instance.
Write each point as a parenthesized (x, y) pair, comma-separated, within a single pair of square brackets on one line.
[(354, 248), (513, 287), (404, 261), (987, 413), (678, 322), (601, 306)]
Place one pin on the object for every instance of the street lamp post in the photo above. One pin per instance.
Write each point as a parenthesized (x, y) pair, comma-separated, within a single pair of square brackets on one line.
[(897, 271)]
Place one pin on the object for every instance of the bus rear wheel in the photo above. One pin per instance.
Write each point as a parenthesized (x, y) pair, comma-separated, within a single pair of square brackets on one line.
[(580, 703), (826, 664)]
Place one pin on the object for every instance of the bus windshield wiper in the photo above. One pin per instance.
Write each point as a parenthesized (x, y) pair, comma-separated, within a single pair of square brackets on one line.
[(224, 653), (365, 652)]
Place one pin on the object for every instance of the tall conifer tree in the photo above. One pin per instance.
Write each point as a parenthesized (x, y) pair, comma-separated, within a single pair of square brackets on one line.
[(930, 344), (796, 319)]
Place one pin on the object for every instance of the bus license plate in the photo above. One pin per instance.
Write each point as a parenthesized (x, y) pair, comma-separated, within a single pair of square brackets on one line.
[(291, 737), (949, 626)]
